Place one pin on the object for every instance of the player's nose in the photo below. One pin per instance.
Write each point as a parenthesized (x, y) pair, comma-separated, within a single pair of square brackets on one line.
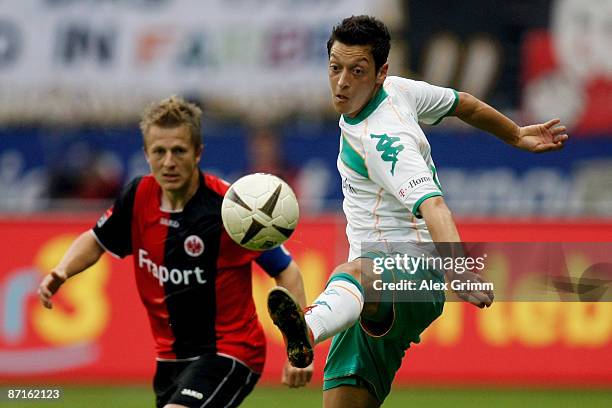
[(344, 79), (168, 160)]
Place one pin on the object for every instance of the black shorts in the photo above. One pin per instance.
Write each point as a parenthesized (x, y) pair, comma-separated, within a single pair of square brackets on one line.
[(210, 381)]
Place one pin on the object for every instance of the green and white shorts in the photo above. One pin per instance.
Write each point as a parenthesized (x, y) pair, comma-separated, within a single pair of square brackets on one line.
[(360, 356)]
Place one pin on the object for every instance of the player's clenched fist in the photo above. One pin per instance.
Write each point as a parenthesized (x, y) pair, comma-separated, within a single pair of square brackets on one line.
[(477, 297), (294, 377), (49, 285)]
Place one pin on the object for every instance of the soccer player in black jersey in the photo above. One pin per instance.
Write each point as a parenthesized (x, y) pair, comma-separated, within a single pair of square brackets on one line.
[(193, 280)]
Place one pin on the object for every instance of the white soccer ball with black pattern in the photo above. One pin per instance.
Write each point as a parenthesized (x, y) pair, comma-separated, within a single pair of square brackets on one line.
[(260, 211)]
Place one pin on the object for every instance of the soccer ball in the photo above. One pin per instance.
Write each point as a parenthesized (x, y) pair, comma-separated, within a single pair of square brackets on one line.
[(260, 211)]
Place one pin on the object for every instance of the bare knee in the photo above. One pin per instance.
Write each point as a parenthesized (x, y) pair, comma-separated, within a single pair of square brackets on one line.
[(349, 396)]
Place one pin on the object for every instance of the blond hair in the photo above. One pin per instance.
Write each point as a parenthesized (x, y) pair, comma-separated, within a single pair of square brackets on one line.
[(173, 112)]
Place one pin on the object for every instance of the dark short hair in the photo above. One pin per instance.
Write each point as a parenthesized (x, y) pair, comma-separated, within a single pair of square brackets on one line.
[(363, 30)]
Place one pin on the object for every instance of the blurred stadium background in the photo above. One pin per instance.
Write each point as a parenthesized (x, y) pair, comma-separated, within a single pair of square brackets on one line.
[(76, 74)]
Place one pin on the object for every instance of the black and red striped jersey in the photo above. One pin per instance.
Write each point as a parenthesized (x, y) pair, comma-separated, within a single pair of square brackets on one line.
[(193, 280)]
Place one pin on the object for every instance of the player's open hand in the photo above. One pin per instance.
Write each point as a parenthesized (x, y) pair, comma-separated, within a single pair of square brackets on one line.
[(49, 285), (294, 377), (546, 137)]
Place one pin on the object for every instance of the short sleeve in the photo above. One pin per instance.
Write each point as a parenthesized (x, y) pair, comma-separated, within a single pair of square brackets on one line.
[(396, 164), (432, 103), (113, 231)]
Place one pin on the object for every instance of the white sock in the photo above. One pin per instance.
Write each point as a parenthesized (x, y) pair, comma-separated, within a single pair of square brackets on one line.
[(336, 309)]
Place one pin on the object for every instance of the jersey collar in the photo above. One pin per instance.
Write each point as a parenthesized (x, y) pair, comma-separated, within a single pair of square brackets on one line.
[(199, 191), (380, 96)]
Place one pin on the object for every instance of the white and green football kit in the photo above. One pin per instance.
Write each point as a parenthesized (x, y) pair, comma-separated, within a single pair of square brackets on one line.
[(386, 165), (387, 172)]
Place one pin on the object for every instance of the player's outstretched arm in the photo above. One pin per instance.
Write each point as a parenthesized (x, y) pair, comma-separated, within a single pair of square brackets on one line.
[(443, 231), (83, 253), (540, 138)]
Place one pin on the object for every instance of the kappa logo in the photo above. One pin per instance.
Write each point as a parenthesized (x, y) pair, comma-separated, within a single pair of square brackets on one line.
[(388, 150), (194, 246), (323, 303), (192, 393), (332, 291)]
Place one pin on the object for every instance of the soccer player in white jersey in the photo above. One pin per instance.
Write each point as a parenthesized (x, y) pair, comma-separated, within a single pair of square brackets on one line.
[(391, 194)]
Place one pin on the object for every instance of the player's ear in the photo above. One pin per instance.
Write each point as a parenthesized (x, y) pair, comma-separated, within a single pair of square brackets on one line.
[(146, 154), (144, 148), (382, 73), (199, 152)]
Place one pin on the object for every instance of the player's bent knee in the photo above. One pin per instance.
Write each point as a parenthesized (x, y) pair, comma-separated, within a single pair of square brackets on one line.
[(349, 396), (174, 406)]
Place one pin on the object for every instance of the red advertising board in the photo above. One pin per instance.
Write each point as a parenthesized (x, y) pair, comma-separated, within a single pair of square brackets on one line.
[(98, 330)]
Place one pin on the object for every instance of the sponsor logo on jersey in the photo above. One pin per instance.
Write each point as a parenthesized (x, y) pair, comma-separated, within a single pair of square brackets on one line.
[(347, 186), (194, 246), (389, 150), (164, 274), (102, 220), (192, 393), (169, 223), (417, 181)]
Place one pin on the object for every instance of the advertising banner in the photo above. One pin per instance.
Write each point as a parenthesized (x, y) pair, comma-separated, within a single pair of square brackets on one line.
[(65, 60), (98, 330)]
